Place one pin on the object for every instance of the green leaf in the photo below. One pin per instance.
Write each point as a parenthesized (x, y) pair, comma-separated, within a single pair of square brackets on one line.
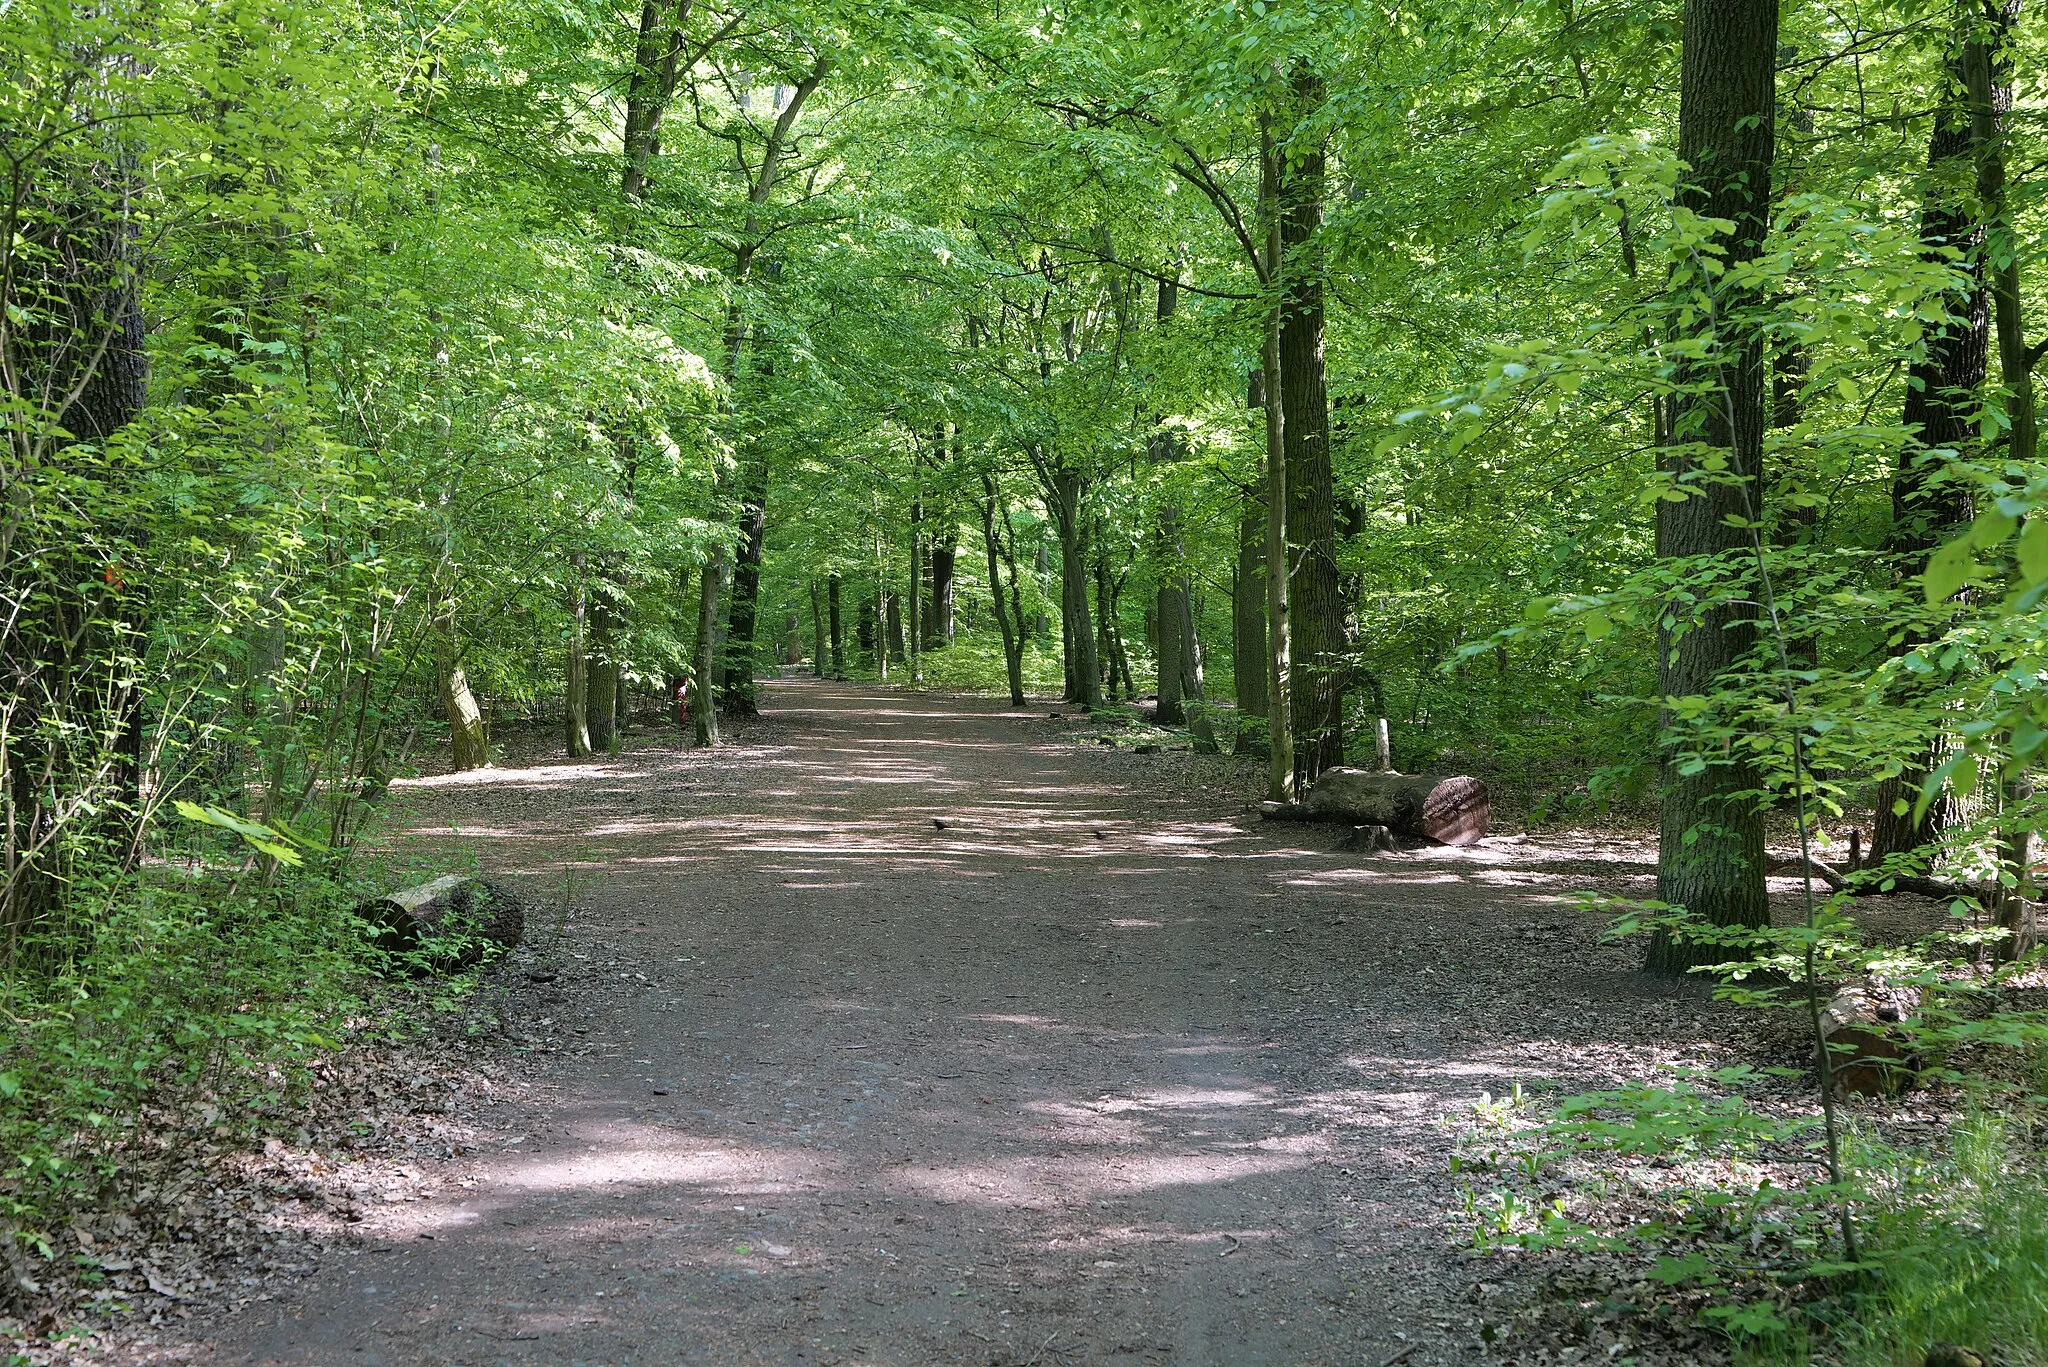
[(1598, 626), (1537, 609), (1948, 569), (2033, 549)]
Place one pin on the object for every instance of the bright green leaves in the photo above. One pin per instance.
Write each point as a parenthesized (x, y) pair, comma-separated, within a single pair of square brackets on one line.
[(265, 839)]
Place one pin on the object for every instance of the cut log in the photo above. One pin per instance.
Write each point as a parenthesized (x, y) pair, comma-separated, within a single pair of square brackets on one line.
[(450, 924), (1867, 1049), (1450, 809)]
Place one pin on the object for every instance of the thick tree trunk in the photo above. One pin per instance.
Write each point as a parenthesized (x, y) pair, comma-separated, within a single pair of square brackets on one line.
[(1450, 809), (738, 696), (1009, 620), (1169, 615), (1316, 599), (1070, 495), (1711, 844), (893, 606), (1987, 77), (1931, 490), (1191, 685), (837, 628), (1248, 625), (606, 644), (1281, 785)]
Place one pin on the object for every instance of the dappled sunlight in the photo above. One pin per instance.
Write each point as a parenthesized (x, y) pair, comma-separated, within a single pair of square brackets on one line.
[(1037, 1181)]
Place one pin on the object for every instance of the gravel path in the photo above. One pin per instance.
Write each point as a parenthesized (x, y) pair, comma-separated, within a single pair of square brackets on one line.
[(1100, 1072)]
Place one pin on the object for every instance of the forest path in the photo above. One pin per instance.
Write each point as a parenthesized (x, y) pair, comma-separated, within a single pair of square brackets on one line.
[(1100, 1074)]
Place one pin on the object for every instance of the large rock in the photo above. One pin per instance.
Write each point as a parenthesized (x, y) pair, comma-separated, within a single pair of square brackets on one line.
[(1869, 1051), (450, 924), (1450, 809)]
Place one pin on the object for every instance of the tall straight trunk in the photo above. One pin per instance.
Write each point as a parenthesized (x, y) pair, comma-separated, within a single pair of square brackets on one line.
[(818, 655), (603, 692), (1711, 837), (1248, 622), (837, 629), (576, 692), (738, 697), (1316, 595), (1191, 686), (704, 656), (1009, 620), (913, 610), (945, 550), (1281, 784), (892, 606), (1070, 505), (1168, 600), (1988, 79), (1931, 491), (1116, 663)]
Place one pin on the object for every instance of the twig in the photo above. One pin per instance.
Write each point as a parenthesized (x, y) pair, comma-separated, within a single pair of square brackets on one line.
[(1400, 1356)]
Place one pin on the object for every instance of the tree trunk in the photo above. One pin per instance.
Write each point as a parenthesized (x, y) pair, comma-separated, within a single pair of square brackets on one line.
[(1281, 785), (576, 693), (1987, 76), (838, 630), (1169, 603), (1931, 491), (1711, 840), (1450, 809), (1248, 624), (738, 697), (892, 605), (469, 747), (818, 648), (945, 552), (1069, 504), (704, 658), (1008, 619), (1316, 599), (1191, 686), (605, 647)]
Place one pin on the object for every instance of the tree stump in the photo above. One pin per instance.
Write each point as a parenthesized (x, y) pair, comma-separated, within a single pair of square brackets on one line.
[(450, 924), (1450, 809), (1867, 1050)]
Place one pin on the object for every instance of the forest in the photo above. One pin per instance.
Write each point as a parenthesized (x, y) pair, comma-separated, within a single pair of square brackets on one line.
[(1626, 403)]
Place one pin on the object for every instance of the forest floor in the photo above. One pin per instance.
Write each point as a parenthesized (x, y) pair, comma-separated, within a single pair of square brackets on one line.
[(1105, 1070)]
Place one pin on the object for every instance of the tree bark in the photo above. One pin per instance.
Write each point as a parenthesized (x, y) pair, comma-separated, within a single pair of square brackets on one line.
[(818, 649), (1710, 847), (469, 746), (576, 691), (1009, 620), (1281, 784), (1316, 599), (1070, 511), (1931, 490), (1248, 624), (945, 552), (606, 644), (838, 632)]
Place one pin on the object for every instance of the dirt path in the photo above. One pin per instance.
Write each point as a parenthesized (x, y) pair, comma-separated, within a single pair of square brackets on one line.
[(1094, 1075)]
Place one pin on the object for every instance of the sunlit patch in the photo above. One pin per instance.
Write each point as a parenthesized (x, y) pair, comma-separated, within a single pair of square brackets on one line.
[(540, 774), (649, 1156), (1134, 923), (1051, 1180)]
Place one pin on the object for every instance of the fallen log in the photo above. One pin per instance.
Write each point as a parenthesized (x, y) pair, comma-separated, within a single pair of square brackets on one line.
[(1450, 809), (1872, 882), (448, 925), (1868, 1051)]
